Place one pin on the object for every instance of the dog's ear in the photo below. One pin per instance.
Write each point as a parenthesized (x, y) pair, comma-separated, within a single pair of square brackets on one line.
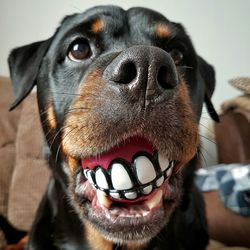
[(24, 64), (208, 75)]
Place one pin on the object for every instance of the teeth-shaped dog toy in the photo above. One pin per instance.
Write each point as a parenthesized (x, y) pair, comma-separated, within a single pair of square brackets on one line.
[(120, 177), (126, 181)]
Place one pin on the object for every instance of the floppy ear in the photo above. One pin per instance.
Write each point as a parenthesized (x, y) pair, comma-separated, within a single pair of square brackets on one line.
[(208, 75), (24, 64)]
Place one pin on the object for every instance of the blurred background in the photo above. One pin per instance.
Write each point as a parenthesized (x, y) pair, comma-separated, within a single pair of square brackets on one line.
[(219, 30)]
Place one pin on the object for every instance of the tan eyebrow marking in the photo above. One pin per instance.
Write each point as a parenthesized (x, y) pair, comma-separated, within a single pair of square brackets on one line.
[(162, 30), (97, 25)]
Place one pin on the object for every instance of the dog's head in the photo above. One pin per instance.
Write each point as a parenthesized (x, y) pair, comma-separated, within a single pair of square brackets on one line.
[(120, 94)]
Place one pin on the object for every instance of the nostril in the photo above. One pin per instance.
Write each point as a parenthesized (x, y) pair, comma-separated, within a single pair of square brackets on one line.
[(127, 73), (165, 78)]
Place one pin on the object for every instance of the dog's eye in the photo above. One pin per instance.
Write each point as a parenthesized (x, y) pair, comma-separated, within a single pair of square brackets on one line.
[(177, 56), (79, 50)]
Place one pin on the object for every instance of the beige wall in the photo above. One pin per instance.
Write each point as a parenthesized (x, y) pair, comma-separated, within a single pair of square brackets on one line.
[(220, 29)]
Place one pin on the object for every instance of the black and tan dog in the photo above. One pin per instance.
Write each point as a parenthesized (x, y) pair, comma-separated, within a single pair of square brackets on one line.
[(120, 94)]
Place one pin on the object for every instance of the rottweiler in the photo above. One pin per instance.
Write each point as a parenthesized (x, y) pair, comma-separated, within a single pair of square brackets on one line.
[(120, 96)]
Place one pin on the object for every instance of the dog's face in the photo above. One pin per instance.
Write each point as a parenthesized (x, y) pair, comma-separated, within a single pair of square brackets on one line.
[(120, 95)]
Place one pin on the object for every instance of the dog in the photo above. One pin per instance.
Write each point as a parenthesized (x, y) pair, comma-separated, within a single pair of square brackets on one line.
[(120, 96)]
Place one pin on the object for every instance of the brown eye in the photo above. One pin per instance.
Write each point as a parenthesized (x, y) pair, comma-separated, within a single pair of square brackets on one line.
[(79, 50), (177, 56)]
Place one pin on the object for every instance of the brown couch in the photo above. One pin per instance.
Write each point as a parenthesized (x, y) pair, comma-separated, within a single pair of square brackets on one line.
[(23, 171)]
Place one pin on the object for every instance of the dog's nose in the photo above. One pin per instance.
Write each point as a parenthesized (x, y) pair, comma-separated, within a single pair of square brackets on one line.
[(145, 70)]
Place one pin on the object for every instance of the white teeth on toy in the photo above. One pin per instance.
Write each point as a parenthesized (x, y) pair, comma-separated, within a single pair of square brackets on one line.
[(163, 162), (89, 177), (144, 169), (85, 171), (120, 177), (100, 179), (155, 200), (160, 181), (128, 181), (115, 195), (131, 195), (147, 190), (103, 199)]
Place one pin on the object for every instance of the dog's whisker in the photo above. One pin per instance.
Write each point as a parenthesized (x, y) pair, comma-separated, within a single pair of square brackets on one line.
[(184, 67), (211, 133), (65, 93), (208, 139), (206, 118), (209, 155), (55, 136), (47, 120), (203, 158), (60, 145), (72, 110)]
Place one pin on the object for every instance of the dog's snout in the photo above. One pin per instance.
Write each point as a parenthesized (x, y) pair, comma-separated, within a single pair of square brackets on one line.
[(145, 68), (125, 73)]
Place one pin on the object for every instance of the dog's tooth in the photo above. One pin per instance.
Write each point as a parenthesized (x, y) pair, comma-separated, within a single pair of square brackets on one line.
[(90, 177), (160, 181), (145, 213), (120, 177), (144, 169), (85, 171), (115, 195), (103, 199), (155, 200), (147, 190), (100, 179), (163, 162), (130, 195)]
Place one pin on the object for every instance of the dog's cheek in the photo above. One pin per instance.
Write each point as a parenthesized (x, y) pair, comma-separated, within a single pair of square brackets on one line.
[(188, 135), (81, 122), (174, 129)]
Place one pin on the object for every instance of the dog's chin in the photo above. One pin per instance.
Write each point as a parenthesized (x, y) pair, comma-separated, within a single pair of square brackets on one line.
[(128, 193)]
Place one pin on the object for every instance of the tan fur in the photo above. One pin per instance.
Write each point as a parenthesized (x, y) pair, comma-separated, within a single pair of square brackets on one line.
[(162, 31), (51, 117), (97, 25), (72, 163), (89, 134), (87, 100), (188, 123), (19, 246), (95, 240)]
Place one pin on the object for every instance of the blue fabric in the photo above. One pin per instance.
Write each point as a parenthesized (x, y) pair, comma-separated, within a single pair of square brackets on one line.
[(232, 182)]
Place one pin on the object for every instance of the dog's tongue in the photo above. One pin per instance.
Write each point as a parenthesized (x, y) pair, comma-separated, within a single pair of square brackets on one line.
[(125, 150)]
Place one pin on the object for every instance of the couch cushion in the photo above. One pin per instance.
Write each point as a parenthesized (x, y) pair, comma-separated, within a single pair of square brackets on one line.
[(31, 174), (8, 131)]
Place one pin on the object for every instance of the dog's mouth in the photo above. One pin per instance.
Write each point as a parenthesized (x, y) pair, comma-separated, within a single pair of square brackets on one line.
[(128, 172), (131, 184)]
